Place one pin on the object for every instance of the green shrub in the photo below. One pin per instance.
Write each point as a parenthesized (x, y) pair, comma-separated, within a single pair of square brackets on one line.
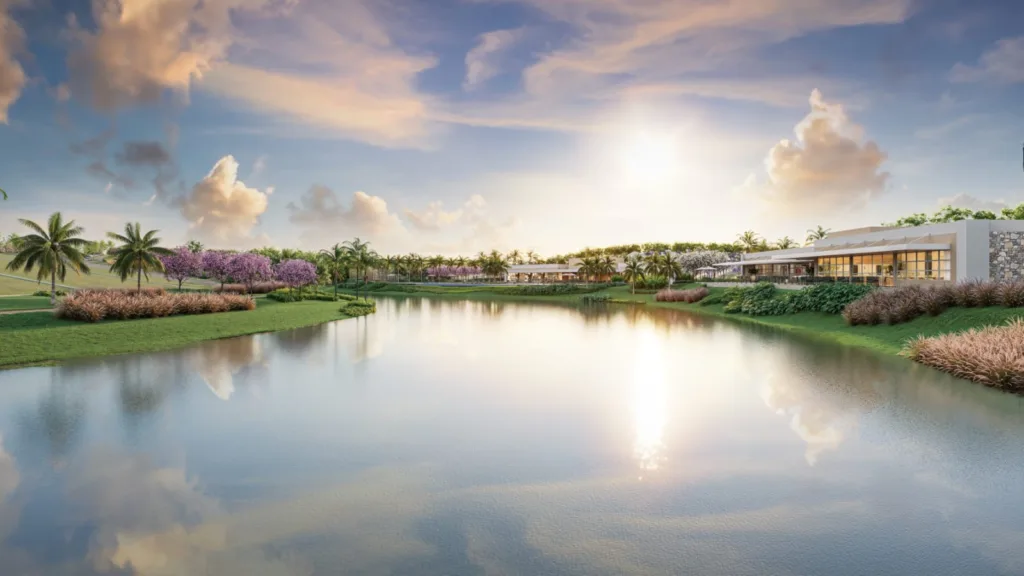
[(652, 283), (617, 278), (733, 306), (713, 299), (595, 298), (288, 295), (47, 293), (360, 307), (829, 298), (549, 289)]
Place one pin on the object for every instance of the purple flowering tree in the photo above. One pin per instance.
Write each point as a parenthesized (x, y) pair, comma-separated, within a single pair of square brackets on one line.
[(249, 269), (216, 266), (182, 265), (296, 273)]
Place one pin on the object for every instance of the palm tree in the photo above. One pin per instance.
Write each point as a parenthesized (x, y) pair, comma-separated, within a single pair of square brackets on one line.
[(515, 257), (336, 257), (784, 243), (817, 234), (138, 253), (531, 257), (588, 267), (663, 264), (436, 262), (195, 246), (749, 240), (52, 250), (2, 193), (355, 249), (607, 266), (634, 270)]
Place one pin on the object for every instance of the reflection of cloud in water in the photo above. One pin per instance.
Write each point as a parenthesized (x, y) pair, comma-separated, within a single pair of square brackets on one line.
[(219, 361), (820, 426)]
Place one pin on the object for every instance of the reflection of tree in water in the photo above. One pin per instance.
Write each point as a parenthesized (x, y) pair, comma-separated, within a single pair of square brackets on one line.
[(219, 362), (145, 381), (58, 418)]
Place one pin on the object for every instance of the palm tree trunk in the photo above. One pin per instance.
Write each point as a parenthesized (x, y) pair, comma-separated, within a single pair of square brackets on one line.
[(53, 287), (335, 283), (140, 276)]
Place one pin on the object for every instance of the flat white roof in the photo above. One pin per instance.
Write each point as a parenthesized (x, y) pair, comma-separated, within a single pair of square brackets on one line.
[(910, 247)]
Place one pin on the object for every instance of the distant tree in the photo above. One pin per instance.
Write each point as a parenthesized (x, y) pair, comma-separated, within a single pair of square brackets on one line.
[(750, 240), (919, 219), (296, 273), (951, 214), (250, 269), (985, 215), (633, 271), (217, 265), (532, 257), (336, 259), (195, 246), (784, 243), (182, 265), (1015, 213), (138, 253), (819, 233), (515, 257), (51, 250), (692, 261)]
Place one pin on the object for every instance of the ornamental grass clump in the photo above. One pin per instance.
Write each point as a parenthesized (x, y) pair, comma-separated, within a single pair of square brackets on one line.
[(1011, 294), (688, 296), (96, 305), (993, 355)]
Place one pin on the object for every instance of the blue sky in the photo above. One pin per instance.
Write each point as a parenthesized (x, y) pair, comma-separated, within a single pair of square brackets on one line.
[(455, 126)]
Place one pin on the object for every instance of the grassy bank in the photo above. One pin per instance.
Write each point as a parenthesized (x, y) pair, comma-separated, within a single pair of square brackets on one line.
[(9, 303), (881, 338), (34, 338)]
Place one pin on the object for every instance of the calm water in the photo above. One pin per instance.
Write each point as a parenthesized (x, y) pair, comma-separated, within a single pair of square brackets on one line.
[(453, 438)]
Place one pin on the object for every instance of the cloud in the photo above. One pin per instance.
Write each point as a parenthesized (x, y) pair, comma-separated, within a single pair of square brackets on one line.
[(143, 154), (333, 67), (319, 210), (481, 61), (963, 200), (482, 230), (12, 76), (433, 217), (1003, 64), (141, 48), (827, 168), (222, 209)]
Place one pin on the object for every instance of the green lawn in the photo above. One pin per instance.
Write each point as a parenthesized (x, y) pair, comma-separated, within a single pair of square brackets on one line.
[(100, 277), (39, 338), (14, 286), (886, 339), (23, 303)]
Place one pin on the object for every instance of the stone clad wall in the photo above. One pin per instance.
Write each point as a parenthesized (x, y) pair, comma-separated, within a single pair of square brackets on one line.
[(1006, 255)]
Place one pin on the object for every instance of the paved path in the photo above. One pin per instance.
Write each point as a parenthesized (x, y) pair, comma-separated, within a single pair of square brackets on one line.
[(6, 312)]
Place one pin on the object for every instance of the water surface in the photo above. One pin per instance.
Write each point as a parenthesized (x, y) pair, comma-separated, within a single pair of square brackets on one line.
[(467, 438)]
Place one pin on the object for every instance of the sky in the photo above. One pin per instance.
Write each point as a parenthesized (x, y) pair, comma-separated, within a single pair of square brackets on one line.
[(454, 126)]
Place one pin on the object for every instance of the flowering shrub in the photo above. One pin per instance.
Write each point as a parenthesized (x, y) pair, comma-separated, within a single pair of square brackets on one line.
[(993, 355), (691, 261), (96, 305)]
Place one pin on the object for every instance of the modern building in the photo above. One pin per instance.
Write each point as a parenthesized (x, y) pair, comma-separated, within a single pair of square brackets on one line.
[(892, 256), (546, 273)]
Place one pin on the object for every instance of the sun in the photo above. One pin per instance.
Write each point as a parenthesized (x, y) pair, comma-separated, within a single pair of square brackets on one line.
[(649, 157)]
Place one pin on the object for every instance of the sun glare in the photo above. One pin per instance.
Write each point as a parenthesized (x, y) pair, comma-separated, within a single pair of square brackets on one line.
[(649, 157), (649, 399)]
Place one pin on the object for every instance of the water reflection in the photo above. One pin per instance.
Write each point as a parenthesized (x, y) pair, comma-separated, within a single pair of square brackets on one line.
[(517, 439), (649, 400)]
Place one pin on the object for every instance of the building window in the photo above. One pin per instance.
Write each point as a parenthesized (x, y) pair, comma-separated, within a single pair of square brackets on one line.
[(924, 265), (834, 266)]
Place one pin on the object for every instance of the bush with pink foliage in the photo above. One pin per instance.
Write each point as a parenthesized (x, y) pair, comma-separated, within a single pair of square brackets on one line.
[(993, 356), (96, 305)]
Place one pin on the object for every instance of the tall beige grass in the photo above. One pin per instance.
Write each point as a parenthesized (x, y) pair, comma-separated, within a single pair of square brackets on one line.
[(96, 305), (689, 296), (993, 355)]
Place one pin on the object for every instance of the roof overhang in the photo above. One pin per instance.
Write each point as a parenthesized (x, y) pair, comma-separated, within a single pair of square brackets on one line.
[(910, 247)]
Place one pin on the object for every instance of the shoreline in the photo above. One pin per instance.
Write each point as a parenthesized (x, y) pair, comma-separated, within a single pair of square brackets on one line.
[(883, 339), (38, 339)]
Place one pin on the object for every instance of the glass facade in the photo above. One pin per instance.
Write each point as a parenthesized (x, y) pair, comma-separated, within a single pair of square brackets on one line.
[(884, 268), (930, 265)]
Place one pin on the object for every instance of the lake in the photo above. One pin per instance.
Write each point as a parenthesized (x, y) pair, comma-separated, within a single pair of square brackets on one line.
[(440, 437)]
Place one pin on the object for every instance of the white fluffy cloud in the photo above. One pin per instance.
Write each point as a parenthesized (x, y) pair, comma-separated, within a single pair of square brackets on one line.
[(320, 211), (12, 76), (141, 48), (433, 217), (481, 61), (222, 209), (828, 168), (963, 200), (1004, 63)]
